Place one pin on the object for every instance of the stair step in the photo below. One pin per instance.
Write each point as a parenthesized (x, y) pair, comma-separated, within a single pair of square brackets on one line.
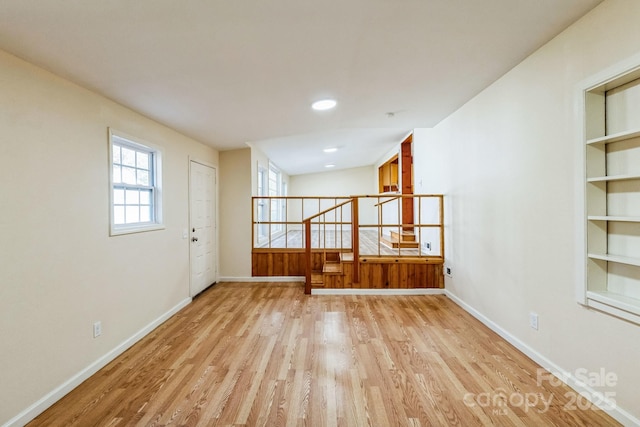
[(332, 268), (317, 279), (405, 236), (394, 243)]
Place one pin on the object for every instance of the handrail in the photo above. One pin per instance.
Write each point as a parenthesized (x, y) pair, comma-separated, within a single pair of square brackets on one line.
[(365, 196), (327, 211), (306, 197), (266, 229), (388, 200), (333, 228), (307, 239)]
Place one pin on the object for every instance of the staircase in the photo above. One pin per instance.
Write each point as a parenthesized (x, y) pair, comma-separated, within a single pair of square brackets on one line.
[(405, 239), (336, 271)]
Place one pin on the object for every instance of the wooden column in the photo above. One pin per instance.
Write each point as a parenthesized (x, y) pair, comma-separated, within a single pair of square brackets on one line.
[(407, 182), (355, 237), (307, 258)]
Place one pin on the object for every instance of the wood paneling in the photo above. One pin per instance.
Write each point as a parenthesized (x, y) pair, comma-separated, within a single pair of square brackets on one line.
[(391, 275), (255, 354), (375, 273), (282, 263)]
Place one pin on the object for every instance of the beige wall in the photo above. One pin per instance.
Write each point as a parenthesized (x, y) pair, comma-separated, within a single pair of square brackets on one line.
[(59, 269), (239, 178), (344, 182), (235, 214), (507, 162)]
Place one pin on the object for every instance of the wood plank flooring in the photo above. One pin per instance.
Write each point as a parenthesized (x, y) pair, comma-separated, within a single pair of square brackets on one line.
[(264, 354)]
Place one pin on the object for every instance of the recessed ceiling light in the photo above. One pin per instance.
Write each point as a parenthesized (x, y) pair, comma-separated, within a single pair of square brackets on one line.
[(330, 166), (324, 104), (330, 150)]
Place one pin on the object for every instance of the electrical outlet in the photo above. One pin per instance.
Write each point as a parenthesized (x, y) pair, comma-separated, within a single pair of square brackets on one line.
[(447, 271), (97, 329), (533, 320), (428, 246)]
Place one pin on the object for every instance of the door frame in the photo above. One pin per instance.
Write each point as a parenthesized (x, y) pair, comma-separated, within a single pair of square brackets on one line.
[(216, 213)]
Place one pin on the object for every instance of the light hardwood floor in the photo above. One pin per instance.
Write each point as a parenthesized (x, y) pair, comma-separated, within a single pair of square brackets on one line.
[(265, 354)]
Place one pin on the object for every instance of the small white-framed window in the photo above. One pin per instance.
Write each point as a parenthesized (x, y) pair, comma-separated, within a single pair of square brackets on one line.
[(135, 185)]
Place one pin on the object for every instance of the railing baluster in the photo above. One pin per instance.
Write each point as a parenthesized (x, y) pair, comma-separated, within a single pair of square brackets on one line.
[(420, 226), (399, 202)]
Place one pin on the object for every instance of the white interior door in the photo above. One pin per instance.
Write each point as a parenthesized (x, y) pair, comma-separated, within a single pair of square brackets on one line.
[(202, 196)]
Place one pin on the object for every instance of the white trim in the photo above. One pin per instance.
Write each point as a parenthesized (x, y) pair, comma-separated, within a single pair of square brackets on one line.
[(202, 162), (369, 291), (568, 378), (59, 392), (256, 279), (157, 151), (136, 229), (617, 74)]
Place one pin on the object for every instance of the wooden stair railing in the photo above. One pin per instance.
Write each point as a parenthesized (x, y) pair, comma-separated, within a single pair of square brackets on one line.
[(307, 239), (405, 236), (310, 250)]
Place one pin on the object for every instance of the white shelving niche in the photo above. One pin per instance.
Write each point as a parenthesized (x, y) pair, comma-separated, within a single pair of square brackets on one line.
[(611, 179)]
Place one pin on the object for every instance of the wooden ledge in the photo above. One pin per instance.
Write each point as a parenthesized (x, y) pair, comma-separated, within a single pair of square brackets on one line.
[(402, 260)]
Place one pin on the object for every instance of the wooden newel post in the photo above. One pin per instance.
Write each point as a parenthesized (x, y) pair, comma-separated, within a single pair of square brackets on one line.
[(307, 252), (355, 244)]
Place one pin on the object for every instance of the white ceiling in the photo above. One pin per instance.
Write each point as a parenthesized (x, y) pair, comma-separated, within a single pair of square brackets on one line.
[(231, 72)]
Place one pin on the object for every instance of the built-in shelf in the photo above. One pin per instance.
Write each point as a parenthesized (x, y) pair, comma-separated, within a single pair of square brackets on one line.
[(616, 258), (612, 185), (616, 137), (613, 178), (614, 218)]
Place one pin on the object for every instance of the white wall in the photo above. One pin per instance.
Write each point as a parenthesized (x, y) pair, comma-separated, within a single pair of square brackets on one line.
[(59, 269), (235, 214), (344, 182), (506, 162)]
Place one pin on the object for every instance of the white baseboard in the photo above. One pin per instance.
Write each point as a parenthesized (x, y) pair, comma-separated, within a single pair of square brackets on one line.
[(244, 279), (568, 378), (355, 291), (59, 392)]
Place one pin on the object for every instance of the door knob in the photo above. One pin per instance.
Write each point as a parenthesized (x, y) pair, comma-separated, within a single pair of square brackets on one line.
[(194, 239)]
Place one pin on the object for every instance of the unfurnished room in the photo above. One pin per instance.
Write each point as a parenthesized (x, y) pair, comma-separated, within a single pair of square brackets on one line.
[(292, 213)]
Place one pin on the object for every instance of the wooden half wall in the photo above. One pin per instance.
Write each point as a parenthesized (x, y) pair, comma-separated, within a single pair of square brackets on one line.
[(375, 272)]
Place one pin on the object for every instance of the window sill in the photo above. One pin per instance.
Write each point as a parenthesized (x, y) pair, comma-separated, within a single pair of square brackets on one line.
[(119, 231)]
